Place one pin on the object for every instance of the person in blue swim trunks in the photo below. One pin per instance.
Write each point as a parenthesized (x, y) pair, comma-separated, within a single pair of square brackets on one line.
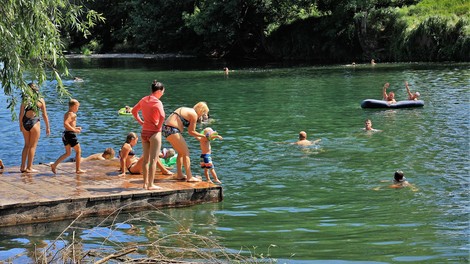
[(30, 125), (206, 158)]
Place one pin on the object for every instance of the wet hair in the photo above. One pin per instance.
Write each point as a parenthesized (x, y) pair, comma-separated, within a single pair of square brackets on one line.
[(399, 176), (302, 135), (73, 102), (110, 152), (201, 108), (157, 86), (130, 137)]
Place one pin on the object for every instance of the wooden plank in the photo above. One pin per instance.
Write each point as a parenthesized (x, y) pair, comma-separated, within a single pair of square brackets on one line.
[(45, 196)]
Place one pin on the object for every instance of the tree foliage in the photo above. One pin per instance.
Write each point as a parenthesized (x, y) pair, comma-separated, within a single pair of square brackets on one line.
[(31, 47), (326, 30)]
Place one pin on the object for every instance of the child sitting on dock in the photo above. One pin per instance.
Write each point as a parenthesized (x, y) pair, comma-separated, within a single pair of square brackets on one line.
[(69, 137), (206, 159)]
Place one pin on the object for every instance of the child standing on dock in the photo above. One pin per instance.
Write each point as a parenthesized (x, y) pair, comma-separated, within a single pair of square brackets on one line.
[(69, 137), (206, 159)]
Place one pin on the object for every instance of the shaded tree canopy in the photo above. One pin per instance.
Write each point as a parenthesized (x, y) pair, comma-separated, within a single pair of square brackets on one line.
[(319, 30)]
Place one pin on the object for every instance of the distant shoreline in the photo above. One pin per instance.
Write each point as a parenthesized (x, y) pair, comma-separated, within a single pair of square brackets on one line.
[(131, 56)]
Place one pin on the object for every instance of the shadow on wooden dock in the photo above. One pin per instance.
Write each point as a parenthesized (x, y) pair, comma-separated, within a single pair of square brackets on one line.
[(44, 196)]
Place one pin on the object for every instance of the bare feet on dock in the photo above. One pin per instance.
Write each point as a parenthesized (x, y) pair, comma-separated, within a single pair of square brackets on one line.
[(194, 179), (28, 171), (53, 168), (217, 181), (180, 177), (80, 171), (154, 187)]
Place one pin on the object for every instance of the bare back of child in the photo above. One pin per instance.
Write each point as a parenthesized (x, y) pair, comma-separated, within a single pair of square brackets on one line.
[(69, 137), (206, 153)]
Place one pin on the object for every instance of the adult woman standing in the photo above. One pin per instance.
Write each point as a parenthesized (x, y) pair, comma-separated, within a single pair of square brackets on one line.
[(172, 129), (154, 116), (30, 125)]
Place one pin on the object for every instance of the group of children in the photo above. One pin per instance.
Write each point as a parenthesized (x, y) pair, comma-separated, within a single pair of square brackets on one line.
[(70, 141)]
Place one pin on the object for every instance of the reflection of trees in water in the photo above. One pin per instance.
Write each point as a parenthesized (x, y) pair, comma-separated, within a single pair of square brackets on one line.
[(151, 235)]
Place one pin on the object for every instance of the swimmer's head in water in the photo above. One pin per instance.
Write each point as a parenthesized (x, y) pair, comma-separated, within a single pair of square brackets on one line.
[(399, 176)]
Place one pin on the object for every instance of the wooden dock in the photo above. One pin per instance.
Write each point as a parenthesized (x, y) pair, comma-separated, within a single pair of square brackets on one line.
[(44, 196)]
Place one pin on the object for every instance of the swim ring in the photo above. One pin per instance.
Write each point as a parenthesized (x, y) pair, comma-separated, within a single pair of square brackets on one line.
[(122, 111), (169, 162), (211, 136), (373, 103)]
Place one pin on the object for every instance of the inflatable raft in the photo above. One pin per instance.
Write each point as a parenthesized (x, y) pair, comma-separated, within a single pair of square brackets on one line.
[(373, 103), (123, 111)]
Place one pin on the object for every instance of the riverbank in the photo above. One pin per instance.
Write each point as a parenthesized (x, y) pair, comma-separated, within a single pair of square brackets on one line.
[(132, 56)]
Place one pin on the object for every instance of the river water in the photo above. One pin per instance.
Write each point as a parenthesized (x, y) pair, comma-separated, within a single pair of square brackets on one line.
[(318, 204)]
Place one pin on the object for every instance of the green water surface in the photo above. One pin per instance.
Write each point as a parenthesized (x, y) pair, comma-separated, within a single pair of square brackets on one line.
[(297, 205)]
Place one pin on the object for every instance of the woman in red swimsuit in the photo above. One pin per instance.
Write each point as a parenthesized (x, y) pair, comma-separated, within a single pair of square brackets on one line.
[(153, 118)]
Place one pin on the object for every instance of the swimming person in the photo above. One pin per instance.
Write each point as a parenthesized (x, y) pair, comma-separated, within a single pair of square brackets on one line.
[(303, 141), (399, 181), (30, 125), (368, 126)]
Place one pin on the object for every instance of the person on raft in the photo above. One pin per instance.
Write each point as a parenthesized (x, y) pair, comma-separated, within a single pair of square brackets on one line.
[(390, 97), (411, 96)]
